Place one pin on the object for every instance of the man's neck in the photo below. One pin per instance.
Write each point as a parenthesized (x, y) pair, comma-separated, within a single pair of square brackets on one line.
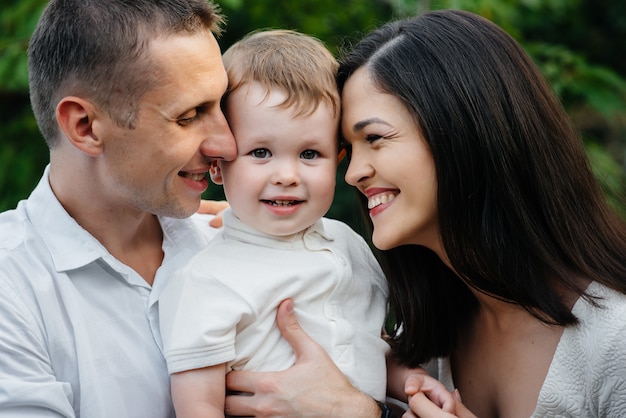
[(132, 236)]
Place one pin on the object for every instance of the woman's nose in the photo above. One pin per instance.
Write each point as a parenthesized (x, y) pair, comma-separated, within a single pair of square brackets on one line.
[(359, 168)]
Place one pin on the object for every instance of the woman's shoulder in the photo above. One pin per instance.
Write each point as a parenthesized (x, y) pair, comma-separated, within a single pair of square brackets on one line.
[(605, 310), (602, 318), (587, 377), (599, 339)]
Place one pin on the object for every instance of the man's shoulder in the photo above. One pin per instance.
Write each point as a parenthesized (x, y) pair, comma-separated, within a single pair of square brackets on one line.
[(14, 226), (24, 257)]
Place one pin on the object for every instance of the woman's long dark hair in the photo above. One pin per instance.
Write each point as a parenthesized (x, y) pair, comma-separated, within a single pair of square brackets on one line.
[(519, 209)]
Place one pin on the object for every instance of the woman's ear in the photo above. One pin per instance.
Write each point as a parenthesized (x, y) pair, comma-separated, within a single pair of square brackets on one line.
[(216, 172), (76, 120)]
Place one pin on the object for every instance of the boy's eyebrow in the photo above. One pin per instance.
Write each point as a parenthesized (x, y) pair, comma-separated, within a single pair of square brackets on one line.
[(359, 126)]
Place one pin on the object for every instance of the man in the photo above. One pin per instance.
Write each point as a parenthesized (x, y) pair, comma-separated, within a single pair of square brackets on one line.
[(127, 96)]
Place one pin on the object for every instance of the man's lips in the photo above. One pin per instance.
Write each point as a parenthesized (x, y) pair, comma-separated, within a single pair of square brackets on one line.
[(193, 176)]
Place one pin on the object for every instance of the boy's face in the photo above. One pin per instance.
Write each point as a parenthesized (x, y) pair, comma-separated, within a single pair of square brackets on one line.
[(283, 178)]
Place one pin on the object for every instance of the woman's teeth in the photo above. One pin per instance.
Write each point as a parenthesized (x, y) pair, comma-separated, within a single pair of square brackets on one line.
[(380, 199)]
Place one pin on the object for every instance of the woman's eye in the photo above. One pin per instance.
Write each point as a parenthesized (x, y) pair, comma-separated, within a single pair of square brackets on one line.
[(372, 137), (261, 153), (309, 154)]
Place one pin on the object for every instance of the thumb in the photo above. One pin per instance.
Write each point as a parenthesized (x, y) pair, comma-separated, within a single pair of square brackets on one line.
[(291, 330), (461, 410)]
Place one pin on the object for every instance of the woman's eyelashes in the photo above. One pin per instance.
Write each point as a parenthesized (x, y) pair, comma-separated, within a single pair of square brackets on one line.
[(372, 137)]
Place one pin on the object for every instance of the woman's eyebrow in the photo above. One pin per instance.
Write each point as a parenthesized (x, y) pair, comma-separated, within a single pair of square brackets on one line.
[(359, 126)]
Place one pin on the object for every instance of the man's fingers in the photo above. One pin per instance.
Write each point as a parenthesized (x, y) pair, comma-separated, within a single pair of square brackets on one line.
[(291, 330), (239, 381), (237, 405), (212, 207), (217, 222)]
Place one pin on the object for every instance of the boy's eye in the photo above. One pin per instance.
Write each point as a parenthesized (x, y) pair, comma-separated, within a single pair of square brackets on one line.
[(309, 154), (261, 153)]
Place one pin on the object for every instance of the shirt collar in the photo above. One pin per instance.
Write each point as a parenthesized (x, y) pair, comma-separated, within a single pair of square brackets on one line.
[(72, 247), (234, 227), (69, 244)]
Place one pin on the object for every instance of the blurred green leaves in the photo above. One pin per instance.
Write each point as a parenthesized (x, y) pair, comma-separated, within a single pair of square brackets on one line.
[(578, 44)]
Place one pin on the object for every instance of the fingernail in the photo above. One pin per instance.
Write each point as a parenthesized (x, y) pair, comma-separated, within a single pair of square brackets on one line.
[(457, 395), (289, 305)]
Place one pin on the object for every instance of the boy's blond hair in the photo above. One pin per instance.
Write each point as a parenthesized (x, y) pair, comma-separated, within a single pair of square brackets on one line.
[(296, 63)]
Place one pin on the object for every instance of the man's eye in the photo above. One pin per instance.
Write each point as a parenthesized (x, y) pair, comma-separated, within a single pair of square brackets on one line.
[(309, 154), (261, 153), (187, 120), (192, 115)]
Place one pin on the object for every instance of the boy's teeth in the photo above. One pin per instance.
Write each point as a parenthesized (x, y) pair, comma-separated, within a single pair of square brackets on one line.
[(281, 202), (380, 199)]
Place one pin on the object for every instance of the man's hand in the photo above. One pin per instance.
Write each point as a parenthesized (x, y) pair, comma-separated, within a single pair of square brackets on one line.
[(213, 207), (312, 387)]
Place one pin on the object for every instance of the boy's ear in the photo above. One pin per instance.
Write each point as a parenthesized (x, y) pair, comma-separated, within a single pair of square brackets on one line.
[(76, 120), (216, 172)]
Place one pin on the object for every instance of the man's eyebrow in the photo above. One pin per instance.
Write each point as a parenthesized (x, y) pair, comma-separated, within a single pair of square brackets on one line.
[(359, 126)]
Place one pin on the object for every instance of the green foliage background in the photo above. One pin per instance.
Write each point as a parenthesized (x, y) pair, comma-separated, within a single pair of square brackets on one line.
[(579, 45)]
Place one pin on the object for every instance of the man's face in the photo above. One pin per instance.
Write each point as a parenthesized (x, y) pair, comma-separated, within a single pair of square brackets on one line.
[(160, 166)]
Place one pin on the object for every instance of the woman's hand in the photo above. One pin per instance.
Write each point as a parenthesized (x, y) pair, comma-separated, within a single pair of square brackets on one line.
[(421, 406), (312, 387), (402, 382)]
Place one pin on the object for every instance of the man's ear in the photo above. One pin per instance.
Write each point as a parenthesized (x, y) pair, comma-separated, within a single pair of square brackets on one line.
[(75, 117), (216, 172)]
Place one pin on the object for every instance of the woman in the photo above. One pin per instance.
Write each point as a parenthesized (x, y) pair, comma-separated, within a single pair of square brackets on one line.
[(504, 262)]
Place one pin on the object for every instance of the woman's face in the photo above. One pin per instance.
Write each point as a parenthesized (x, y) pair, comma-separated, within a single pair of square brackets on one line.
[(391, 164)]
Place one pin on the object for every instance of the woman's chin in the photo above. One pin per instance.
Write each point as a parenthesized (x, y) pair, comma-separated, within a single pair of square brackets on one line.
[(382, 243)]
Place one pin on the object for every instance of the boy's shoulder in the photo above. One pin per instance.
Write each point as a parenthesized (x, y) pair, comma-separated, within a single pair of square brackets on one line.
[(335, 226), (344, 234)]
